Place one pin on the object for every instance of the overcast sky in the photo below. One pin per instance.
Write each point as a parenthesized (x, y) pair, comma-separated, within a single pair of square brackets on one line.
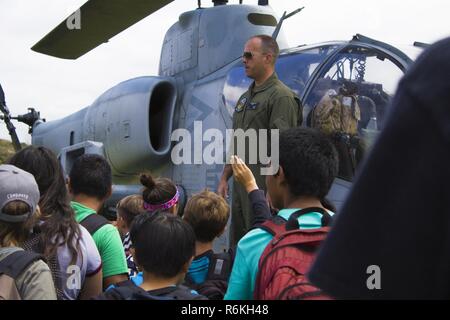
[(58, 87)]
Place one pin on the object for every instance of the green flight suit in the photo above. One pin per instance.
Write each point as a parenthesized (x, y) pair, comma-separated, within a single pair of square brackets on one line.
[(271, 105)]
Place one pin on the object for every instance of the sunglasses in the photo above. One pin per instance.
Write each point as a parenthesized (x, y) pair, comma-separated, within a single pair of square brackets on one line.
[(247, 55)]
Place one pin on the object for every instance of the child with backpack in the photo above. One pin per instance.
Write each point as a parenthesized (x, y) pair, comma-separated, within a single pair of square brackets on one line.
[(208, 214), (158, 194), (69, 249), (163, 246), (90, 185), (23, 275), (266, 269), (128, 209)]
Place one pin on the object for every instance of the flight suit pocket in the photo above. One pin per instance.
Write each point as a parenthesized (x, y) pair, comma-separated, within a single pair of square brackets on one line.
[(256, 116)]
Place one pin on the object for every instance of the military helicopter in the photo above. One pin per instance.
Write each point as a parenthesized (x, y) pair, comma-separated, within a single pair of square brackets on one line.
[(200, 79)]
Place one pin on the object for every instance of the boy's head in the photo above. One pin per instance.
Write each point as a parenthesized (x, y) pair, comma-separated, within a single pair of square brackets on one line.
[(19, 198), (308, 166), (91, 176), (128, 208), (208, 214), (163, 244)]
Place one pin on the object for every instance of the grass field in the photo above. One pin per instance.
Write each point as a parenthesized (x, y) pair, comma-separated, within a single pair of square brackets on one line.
[(6, 150)]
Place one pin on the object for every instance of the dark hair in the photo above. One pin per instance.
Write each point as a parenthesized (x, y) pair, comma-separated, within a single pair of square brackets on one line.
[(59, 225), (157, 191), (163, 243), (130, 207), (91, 175), (14, 234), (269, 45), (208, 214), (309, 160)]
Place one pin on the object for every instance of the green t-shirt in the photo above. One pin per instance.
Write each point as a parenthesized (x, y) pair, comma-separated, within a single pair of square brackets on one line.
[(108, 242)]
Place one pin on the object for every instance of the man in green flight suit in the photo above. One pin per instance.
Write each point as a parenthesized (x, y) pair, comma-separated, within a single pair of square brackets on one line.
[(267, 104)]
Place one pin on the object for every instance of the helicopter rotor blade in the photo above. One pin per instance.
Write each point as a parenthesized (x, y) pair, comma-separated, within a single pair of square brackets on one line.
[(94, 23)]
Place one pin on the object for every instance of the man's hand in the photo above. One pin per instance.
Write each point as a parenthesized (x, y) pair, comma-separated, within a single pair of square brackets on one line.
[(242, 174), (222, 189)]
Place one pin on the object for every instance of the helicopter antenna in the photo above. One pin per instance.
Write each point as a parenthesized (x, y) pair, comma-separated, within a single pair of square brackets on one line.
[(199, 4), (7, 118), (284, 17), (422, 45), (219, 2)]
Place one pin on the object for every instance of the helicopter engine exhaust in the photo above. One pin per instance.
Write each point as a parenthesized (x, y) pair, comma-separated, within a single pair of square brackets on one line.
[(132, 119)]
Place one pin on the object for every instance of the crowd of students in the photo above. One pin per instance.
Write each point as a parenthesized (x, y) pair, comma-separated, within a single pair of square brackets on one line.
[(153, 251), (55, 245)]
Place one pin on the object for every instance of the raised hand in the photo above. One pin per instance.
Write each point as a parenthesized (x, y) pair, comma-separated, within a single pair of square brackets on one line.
[(243, 174)]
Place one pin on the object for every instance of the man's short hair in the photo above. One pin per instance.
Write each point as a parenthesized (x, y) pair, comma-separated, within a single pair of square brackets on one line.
[(208, 214), (163, 243), (309, 161), (91, 175), (269, 45)]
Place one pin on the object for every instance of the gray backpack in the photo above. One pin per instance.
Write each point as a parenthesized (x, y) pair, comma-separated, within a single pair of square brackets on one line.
[(12, 267)]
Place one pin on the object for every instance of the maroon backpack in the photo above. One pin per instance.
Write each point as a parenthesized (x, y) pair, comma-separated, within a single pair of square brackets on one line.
[(287, 258)]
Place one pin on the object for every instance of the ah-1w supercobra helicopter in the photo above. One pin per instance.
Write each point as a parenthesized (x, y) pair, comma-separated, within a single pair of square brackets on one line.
[(200, 79)]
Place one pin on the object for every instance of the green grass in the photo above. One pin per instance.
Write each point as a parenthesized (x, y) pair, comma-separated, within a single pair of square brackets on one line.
[(6, 150)]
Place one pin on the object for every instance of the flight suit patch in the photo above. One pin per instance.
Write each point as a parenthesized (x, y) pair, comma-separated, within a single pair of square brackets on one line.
[(240, 105), (252, 106)]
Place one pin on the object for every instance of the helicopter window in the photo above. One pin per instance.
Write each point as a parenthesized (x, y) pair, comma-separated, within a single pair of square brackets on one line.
[(349, 100), (295, 69), (260, 19)]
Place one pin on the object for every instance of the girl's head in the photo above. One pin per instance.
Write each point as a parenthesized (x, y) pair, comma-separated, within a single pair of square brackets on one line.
[(19, 197), (44, 166), (59, 226), (159, 194)]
